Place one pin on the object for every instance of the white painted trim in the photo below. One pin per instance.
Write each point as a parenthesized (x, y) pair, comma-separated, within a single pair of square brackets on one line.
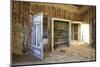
[(53, 30), (76, 22), (60, 19), (41, 46), (70, 32), (52, 26), (42, 35)]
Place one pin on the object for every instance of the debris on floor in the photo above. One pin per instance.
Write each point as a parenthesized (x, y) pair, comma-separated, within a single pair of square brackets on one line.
[(74, 53)]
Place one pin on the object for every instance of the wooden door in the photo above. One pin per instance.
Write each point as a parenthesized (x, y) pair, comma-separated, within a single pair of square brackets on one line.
[(37, 30), (74, 30)]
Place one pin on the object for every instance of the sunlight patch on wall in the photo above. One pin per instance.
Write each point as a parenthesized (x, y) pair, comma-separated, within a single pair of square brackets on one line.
[(85, 33)]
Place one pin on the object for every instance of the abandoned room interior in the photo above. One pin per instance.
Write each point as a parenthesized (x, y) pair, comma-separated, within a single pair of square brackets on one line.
[(52, 33)]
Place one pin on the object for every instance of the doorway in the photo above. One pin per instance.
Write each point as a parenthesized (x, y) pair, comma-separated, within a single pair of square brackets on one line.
[(61, 30), (85, 33), (76, 31), (40, 38), (37, 30)]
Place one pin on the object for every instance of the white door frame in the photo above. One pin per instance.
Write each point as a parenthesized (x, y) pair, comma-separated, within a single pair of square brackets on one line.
[(41, 43), (79, 29), (52, 26)]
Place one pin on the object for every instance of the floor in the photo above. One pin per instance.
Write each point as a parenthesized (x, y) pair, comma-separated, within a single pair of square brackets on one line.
[(78, 51)]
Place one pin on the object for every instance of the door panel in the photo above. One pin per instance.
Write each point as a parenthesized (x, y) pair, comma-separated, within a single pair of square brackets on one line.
[(74, 29), (37, 30)]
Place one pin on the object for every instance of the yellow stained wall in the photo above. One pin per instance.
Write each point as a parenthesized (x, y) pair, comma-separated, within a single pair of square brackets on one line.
[(22, 13)]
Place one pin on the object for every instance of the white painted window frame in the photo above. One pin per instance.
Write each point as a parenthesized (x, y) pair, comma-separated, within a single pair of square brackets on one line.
[(52, 24)]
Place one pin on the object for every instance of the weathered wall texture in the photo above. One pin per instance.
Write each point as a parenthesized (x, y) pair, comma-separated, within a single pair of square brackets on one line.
[(22, 13), (53, 11), (89, 16), (21, 27)]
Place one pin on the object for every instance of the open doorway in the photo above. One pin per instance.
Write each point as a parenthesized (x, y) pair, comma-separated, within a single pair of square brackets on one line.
[(85, 33), (76, 31), (60, 33)]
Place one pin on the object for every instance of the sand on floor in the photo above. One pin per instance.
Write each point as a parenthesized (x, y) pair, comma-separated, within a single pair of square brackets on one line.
[(76, 52)]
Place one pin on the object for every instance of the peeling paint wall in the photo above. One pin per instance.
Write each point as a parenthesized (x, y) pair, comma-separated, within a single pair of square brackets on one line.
[(53, 11), (22, 13), (21, 28)]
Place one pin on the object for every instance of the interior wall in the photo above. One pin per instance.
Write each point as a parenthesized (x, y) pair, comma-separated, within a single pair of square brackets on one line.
[(52, 11), (22, 13), (21, 27), (87, 18)]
